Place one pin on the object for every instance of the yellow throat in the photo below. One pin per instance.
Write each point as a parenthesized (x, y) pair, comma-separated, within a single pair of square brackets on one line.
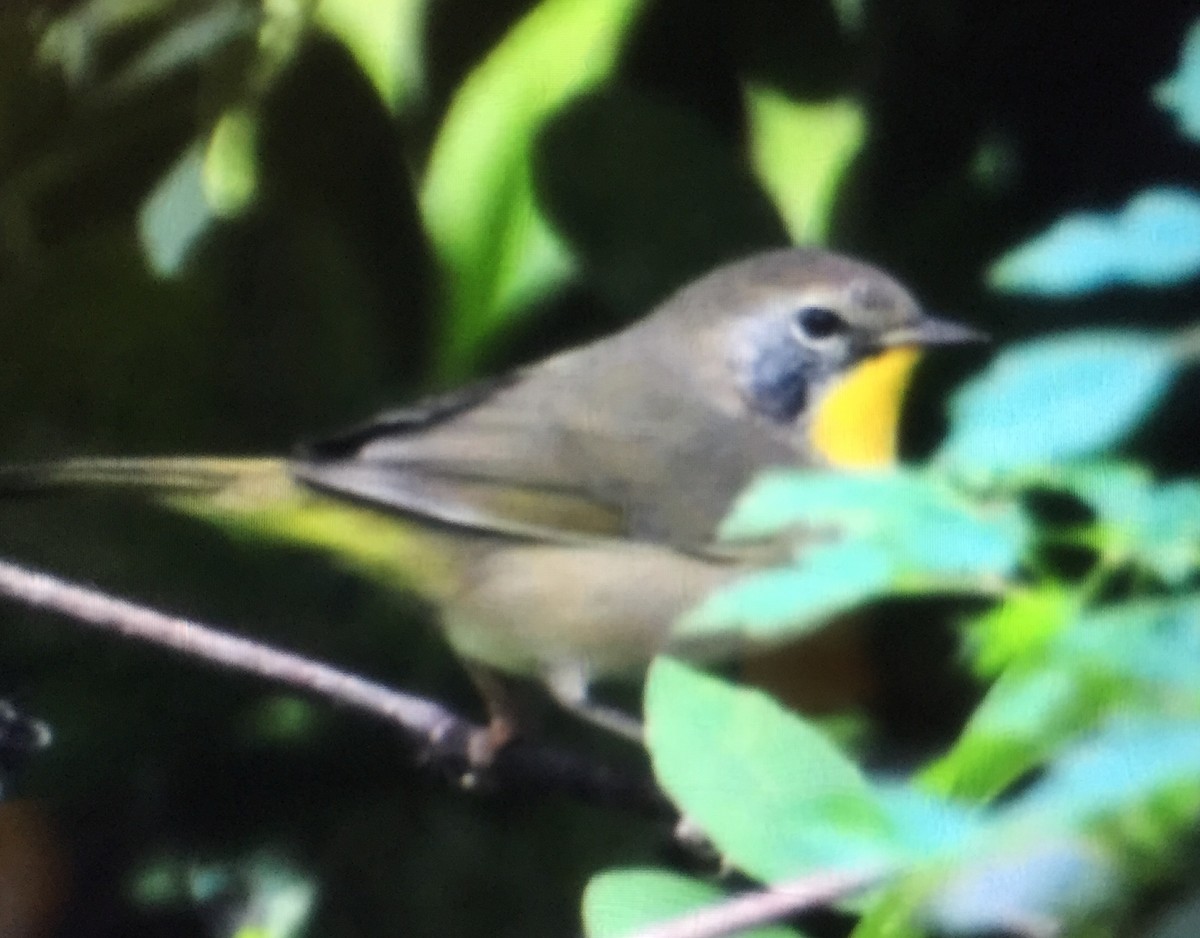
[(857, 423)]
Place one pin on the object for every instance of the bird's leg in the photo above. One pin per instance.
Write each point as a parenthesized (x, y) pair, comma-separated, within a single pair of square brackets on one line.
[(510, 714), (568, 684)]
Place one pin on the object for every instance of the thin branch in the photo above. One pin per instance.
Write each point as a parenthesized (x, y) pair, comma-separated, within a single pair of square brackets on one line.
[(767, 907), (441, 733)]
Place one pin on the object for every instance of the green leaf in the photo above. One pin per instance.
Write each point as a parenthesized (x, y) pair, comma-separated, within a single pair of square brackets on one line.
[(928, 528), (1023, 717), (786, 602), (800, 151), (496, 250), (176, 214), (230, 171), (774, 795), (1153, 241), (386, 39), (1020, 628), (1119, 769), (1180, 94), (620, 902), (1155, 643), (1159, 526), (1056, 399)]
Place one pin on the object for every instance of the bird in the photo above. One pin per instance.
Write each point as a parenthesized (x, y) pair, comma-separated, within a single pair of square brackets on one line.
[(563, 515)]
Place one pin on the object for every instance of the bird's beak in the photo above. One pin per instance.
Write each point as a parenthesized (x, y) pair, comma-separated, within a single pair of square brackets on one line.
[(929, 330)]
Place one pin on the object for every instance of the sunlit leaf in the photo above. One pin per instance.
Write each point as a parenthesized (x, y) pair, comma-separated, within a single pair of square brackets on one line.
[(386, 38), (1057, 398), (1023, 717), (800, 150), (230, 173), (496, 250), (1154, 241), (1180, 94), (619, 902), (1020, 628), (774, 795)]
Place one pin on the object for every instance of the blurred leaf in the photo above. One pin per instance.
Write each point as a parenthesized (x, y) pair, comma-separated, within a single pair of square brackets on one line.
[(1020, 628), (1157, 525), (477, 200), (800, 151), (1152, 642), (1180, 94), (176, 214), (787, 602), (208, 182), (1154, 242), (1014, 889), (773, 794), (1023, 717), (1179, 921), (1056, 399), (620, 902), (853, 503), (230, 172), (1119, 768), (928, 528), (386, 39), (186, 44)]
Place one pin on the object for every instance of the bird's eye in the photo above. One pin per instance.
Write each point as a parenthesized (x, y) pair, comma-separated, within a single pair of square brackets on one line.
[(819, 322)]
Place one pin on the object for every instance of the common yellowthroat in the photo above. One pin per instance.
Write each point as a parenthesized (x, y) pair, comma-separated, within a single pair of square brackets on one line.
[(562, 516)]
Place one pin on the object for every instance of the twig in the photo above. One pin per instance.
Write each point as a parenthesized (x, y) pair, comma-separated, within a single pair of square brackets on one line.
[(766, 907), (440, 732)]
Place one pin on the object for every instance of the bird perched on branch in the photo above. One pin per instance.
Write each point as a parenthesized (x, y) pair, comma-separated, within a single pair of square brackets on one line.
[(562, 517)]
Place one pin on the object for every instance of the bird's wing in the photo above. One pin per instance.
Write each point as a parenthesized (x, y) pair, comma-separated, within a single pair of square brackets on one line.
[(478, 458)]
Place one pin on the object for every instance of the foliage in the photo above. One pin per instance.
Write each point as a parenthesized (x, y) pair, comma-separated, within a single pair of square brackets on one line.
[(225, 224), (1076, 774)]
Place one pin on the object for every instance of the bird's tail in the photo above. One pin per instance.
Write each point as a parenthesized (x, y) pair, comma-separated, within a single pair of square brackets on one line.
[(222, 477)]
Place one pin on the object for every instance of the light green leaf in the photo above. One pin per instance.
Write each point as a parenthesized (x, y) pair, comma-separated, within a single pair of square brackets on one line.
[(620, 902), (477, 201), (1156, 526), (1155, 643), (1056, 399), (386, 38), (1180, 94), (774, 795), (786, 602), (230, 172), (800, 151), (1154, 241), (1018, 724), (1120, 768), (930, 530)]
